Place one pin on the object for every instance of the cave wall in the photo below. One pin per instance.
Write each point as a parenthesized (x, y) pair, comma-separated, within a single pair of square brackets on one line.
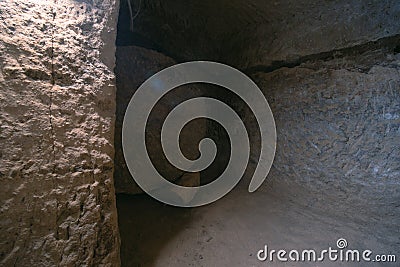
[(338, 128), (246, 34), (256, 37), (57, 109)]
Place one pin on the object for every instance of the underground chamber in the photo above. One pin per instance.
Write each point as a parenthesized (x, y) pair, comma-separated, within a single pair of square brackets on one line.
[(334, 92)]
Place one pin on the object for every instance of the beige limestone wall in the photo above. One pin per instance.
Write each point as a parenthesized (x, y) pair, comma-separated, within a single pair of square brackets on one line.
[(57, 106)]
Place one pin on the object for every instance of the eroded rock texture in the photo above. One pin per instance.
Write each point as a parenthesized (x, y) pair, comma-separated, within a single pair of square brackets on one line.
[(57, 118)]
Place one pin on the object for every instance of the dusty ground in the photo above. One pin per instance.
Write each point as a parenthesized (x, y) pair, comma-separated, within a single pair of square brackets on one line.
[(231, 231)]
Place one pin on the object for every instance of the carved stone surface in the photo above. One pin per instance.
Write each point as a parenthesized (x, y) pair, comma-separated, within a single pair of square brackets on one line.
[(57, 106)]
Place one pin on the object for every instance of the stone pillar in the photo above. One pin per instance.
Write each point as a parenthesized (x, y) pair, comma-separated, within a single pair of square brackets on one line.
[(57, 112)]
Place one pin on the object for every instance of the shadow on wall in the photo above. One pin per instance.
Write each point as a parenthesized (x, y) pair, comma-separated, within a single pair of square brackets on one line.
[(146, 226)]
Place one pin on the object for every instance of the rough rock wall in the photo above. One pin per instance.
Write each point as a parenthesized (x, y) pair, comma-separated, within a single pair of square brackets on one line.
[(338, 128), (259, 32), (57, 105)]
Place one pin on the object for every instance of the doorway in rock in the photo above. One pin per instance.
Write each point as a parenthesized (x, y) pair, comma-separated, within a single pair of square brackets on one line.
[(336, 103)]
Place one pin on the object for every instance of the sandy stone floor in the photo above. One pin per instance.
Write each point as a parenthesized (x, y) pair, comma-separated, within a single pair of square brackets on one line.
[(231, 231)]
